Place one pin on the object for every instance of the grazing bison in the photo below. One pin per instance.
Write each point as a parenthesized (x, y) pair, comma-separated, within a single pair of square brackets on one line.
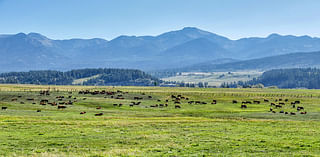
[(214, 102), (292, 113), (4, 108), (98, 114), (83, 112), (115, 105), (177, 106), (98, 108), (303, 112), (281, 112), (278, 106), (281, 103), (234, 101), (297, 102), (243, 106), (256, 102), (61, 107), (300, 108), (38, 110), (137, 98), (156, 105), (246, 102)]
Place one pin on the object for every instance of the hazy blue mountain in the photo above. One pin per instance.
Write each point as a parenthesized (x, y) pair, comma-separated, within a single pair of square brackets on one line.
[(274, 44), (174, 49), (294, 60)]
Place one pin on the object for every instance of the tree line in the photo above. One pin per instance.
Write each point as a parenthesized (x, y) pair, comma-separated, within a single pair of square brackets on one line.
[(101, 76), (283, 78)]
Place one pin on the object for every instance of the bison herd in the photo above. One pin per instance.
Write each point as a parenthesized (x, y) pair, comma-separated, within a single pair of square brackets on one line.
[(62, 102), (277, 104)]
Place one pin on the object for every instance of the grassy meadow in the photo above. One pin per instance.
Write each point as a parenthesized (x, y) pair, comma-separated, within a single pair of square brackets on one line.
[(222, 129)]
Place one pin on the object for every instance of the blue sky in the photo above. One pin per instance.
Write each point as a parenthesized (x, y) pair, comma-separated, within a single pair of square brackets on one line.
[(64, 19)]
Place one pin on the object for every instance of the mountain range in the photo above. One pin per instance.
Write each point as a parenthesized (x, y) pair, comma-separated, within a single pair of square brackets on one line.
[(182, 48), (286, 61)]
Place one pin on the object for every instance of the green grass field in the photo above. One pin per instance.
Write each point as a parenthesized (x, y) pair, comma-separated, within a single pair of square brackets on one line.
[(222, 129)]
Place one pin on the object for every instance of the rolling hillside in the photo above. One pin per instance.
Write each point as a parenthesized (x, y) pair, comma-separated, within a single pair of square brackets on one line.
[(294, 60)]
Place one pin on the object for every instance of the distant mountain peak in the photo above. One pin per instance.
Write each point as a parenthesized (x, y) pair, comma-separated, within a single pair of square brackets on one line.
[(274, 35)]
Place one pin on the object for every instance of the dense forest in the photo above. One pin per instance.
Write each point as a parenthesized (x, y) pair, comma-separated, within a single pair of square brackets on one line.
[(81, 77), (284, 78)]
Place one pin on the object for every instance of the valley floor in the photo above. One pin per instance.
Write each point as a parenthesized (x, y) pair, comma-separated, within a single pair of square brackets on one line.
[(147, 129), (214, 78)]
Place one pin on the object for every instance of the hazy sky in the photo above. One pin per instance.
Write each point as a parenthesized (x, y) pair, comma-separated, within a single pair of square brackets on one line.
[(62, 19)]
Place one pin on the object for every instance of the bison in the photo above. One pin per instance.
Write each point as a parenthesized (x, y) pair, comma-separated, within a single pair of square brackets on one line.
[(98, 114), (61, 107), (243, 106)]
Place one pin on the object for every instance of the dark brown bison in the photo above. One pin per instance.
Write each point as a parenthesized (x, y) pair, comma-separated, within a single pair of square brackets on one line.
[(61, 107), (83, 112), (303, 112), (177, 106), (278, 106), (256, 102), (300, 108), (98, 114), (4, 108), (243, 106)]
